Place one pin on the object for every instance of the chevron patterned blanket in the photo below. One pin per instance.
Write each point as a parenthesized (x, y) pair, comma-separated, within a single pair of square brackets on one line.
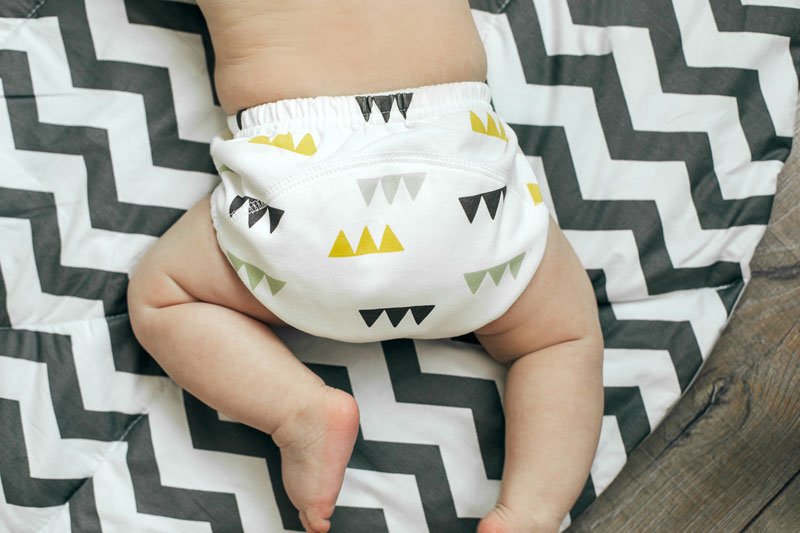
[(657, 129)]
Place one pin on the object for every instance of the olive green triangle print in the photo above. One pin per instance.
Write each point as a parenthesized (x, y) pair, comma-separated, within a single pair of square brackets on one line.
[(255, 274), (515, 263), (497, 272), (275, 285), (235, 261), (475, 279)]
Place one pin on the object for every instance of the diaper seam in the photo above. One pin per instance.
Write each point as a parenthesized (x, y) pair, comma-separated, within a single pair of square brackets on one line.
[(309, 175)]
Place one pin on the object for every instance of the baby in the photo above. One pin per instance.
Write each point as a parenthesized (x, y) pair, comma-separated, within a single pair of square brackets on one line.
[(370, 192)]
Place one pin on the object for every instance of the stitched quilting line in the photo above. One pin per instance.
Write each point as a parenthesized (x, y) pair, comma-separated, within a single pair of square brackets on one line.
[(502, 7), (36, 7)]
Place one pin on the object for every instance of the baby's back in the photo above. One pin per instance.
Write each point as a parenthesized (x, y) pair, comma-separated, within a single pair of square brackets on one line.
[(268, 50)]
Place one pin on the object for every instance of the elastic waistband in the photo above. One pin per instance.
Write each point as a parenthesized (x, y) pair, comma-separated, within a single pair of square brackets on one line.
[(404, 105)]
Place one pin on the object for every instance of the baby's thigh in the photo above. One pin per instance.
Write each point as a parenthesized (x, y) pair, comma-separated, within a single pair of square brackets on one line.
[(186, 265), (557, 306)]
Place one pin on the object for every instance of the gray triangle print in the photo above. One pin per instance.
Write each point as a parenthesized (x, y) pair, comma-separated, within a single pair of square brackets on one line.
[(367, 186), (413, 183), (389, 185)]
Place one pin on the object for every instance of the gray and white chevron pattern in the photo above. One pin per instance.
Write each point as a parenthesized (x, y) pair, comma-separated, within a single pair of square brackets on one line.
[(657, 127)]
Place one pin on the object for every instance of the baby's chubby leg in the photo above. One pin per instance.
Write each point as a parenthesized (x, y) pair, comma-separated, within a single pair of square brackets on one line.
[(552, 342), (189, 309)]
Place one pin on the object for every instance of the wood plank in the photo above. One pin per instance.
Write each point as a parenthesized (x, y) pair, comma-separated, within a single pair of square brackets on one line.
[(783, 513), (728, 448), (727, 451)]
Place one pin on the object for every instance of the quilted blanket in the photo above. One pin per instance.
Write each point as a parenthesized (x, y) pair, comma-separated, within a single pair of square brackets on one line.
[(657, 129)]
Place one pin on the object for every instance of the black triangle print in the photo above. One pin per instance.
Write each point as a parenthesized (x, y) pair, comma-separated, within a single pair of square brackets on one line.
[(492, 199), (384, 103), (403, 101), (365, 103), (396, 314), (236, 204), (420, 312), (370, 315), (257, 210), (255, 204), (470, 205), (275, 215)]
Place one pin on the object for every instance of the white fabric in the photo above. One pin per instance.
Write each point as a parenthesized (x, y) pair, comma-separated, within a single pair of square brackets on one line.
[(448, 199)]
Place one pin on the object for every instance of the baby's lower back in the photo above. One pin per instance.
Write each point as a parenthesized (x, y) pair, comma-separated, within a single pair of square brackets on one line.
[(269, 50)]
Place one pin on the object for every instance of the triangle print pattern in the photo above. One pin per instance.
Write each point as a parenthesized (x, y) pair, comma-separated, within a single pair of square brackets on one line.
[(384, 104), (470, 204), (306, 146), (474, 279), (491, 127), (256, 211), (366, 245), (536, 193), (396, 314), (389, 185), (255, 274)]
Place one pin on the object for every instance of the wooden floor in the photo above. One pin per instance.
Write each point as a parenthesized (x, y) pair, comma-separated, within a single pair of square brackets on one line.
[(727, 457)]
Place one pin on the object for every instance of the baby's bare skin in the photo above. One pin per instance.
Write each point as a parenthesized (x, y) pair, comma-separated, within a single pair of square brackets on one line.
[(268, 50), (189, 309)]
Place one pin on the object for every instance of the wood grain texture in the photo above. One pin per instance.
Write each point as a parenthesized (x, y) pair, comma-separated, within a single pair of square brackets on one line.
[(727, 456), (782, 513)]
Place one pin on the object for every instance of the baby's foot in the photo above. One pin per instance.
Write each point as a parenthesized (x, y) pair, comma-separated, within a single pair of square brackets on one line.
[(502, 519), (316, 443)]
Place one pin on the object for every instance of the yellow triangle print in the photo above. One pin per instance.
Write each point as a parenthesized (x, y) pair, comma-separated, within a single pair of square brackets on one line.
[(341, 247), (366, 245), (477, 125), (389, 242), (285, 141), (491, 126), (536, 193), (306, 145)]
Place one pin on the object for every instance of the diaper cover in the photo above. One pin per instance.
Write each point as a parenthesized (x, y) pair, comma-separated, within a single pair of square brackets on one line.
[(370, 217)]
